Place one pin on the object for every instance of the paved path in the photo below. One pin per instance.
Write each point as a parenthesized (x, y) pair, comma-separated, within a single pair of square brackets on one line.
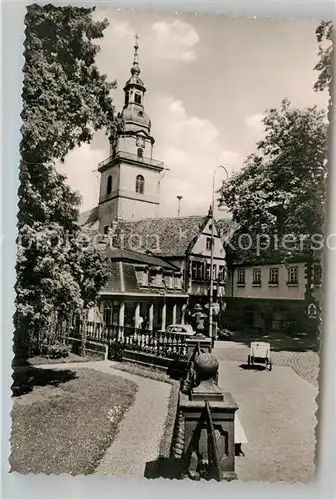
[(277, 411), (142, 427), (305, 364)]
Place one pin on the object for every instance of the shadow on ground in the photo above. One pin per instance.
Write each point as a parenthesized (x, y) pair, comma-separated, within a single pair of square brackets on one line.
[(256, 368), (280, 341), (25, 378), (165, 468)]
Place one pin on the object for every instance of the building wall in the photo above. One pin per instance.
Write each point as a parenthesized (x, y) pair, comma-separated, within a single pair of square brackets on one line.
[(288, 316), (128, 175), (114, 171), (200, 247), (268, 307), (198, 287), (130, 144), (107, 212), (123, 201), (281, 291)]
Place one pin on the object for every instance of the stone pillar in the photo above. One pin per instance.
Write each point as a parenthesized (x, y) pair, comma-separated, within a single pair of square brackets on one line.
[(174, 314), (184, 308), (137, 315), (203, 342), (222, 408), (163, 320), (121, 320), (151, 317)]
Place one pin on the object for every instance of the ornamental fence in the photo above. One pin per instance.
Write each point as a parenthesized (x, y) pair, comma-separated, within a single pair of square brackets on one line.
[(126, 342)]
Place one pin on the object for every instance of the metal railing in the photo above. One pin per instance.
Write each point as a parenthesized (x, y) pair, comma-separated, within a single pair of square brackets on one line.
[(159, 343), (131, 157)]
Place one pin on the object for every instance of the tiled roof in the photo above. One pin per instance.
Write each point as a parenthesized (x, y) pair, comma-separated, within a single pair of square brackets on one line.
[(165, 236), (123, 281), (89, 219), (137, 257)]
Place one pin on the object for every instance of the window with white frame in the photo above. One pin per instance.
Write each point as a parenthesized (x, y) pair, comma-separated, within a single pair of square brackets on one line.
[(214, 271), (241, 276), (208, 243), (197, 270), (221, 273), (256, 276), (108, 312), (293, 275), (274, 276)]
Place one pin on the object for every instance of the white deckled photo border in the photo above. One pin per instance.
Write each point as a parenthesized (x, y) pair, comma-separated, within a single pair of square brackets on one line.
[(39, 486)]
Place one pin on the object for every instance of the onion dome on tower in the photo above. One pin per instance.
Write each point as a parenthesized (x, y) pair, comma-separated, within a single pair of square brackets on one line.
[(134, 115)]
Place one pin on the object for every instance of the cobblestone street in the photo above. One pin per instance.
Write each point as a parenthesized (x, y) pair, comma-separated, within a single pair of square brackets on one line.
[(277, 412), (305, 364)]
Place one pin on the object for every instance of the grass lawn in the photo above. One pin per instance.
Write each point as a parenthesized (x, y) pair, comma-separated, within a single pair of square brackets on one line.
[(71, 358), (66, 427)]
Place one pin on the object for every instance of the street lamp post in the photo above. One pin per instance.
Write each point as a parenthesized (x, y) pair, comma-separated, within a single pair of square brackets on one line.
[(212, 250)]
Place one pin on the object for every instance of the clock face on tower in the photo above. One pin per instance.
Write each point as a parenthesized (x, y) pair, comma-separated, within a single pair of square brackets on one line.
[(140, 142)]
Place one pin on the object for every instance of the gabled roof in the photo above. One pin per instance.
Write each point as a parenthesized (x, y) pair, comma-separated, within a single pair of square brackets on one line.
[(117, 254), (165, 236)]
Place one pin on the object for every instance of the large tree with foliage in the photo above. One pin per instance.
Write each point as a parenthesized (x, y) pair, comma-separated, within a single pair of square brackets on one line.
[(282, 188), (65, 100), (324, 35)]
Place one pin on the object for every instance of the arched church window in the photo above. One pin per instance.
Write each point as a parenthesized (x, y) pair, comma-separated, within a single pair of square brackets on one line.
[(140, 152), (126, 98), (109, 185), (140, 184), (137, 98)]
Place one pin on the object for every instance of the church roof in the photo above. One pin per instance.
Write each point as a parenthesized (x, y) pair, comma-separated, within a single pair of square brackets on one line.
[(89, 218), (165, 236)]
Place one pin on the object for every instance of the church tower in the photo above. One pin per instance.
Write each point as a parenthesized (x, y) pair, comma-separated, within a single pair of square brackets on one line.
[(130, 177)]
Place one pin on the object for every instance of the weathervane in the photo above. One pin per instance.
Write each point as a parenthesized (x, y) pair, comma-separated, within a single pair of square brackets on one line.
[(136, 46)]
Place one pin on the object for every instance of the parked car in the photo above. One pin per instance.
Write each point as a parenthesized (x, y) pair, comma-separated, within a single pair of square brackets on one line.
[(224, 334), (186, 330)]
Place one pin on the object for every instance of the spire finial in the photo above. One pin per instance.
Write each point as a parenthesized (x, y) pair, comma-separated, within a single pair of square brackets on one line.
[(135, 68)]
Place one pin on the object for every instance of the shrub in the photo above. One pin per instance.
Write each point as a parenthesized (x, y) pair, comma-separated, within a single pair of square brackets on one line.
[(55, 351)]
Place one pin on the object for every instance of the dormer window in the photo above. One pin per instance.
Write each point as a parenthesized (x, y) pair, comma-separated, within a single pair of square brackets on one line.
[(157, 277), (169, 280), (109, 185), (140, 152), (137, 98), (142, 275), (177, 281), (140, 184)]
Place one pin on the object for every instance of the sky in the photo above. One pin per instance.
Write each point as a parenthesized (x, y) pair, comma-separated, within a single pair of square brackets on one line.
[(209, 80)]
